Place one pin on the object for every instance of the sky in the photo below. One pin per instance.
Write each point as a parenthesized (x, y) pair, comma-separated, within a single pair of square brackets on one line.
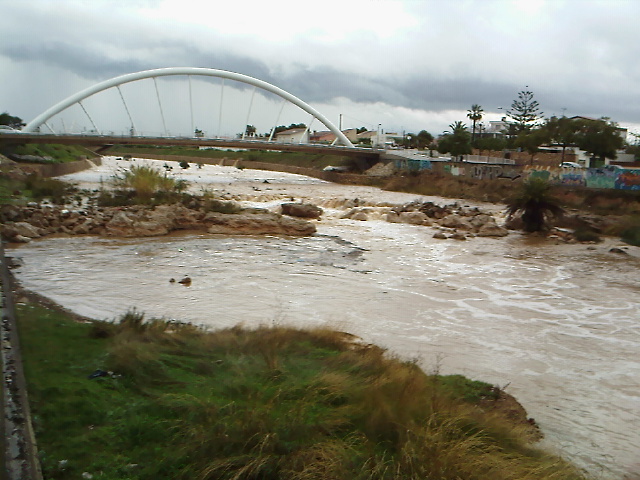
[(402, 66)]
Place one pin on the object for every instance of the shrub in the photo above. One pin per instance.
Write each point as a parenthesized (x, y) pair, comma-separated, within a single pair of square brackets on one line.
[(146, 181), (585, 234), (39, 188), (535, 202), (631, 234)]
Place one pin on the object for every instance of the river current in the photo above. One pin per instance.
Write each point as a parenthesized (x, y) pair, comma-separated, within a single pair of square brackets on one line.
[(558, 324)]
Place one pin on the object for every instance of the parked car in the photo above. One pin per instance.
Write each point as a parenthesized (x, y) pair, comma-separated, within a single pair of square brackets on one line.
[(570, 165)]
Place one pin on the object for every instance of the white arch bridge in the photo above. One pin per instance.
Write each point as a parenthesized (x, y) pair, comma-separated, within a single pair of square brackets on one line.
[(134, 110)]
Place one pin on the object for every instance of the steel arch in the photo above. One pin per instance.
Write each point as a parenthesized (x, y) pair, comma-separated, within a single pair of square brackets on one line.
[(34, 124)]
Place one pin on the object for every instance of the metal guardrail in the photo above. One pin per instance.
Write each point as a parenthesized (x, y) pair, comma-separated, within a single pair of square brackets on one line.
[(20, 454)]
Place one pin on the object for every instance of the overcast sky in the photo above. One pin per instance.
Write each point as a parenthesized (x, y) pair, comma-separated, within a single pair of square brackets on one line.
[(407, 65)]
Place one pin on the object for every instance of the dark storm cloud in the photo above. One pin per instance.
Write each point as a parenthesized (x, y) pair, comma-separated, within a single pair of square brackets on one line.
[(93, 64), (104, 41), (324, 83), (318, 84)]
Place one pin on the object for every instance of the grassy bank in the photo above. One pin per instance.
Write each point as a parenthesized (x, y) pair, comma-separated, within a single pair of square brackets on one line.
[(297, 159), (19, 190), (265, 403), (50, 153)]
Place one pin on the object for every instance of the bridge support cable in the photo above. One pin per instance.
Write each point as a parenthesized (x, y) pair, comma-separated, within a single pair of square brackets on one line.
[(307, 130), (220, 108), (184, 71), (164, 124), (193, 131), (49, 127), (249, 111), (284, 102), (133, 126), (88, 116)]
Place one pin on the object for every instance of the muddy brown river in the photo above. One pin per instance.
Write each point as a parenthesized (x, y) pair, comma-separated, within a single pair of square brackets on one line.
[(559, 325)]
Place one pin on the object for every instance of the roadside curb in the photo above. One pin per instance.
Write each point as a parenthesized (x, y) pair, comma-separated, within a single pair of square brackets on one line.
[(20, 453)]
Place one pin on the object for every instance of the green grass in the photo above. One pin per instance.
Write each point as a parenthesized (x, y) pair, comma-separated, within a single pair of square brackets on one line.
[(57, 153), (264, 403), (33, 188), (298, 159)]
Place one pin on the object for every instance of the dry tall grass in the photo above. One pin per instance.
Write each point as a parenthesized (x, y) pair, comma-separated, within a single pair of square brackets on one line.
[(294, 404), (147, 181)]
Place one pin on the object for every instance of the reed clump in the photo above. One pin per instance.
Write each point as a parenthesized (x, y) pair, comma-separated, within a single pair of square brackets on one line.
[(182, 402), (142, 184)]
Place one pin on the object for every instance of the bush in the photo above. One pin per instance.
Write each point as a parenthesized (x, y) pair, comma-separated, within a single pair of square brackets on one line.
[(145, 182), (585, 234), (631, 235), (38, 188)]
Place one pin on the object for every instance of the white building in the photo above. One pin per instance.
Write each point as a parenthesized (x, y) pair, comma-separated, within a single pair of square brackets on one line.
[(293, 135)]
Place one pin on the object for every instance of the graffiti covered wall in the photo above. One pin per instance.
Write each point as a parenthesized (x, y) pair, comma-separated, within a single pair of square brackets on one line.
[(412, 164), (605, 177)]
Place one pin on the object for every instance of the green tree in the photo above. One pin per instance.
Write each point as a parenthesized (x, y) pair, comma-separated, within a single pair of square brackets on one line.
[(420, 140), (536, 203), (282, 128), (600, 138), (491, 144), (475, 115), (249, 131), (635, 148), (423, 139), (525, 111), (457, 142), (361, 130), (531, 141), (11, 121), (409, 140), (562, 131)]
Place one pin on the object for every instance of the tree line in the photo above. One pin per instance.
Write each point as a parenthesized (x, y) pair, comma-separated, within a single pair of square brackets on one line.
[(528, 130)]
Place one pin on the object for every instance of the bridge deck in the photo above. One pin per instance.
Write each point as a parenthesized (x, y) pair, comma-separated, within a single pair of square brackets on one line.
[(100, 140)]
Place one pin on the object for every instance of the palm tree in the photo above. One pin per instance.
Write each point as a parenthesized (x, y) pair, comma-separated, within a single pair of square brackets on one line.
[(457, 128), (535, 202), (475, 115), (455, 141)]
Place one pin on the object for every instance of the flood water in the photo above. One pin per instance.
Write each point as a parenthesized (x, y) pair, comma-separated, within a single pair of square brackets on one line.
[(558, 324)]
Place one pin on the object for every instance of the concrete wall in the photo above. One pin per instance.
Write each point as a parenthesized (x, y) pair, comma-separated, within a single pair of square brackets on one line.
[(606, 177)]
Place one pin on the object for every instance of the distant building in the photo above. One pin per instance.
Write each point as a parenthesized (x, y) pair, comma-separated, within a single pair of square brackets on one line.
[(380, 140), (330, 137), (293, 135), (496, 129)]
